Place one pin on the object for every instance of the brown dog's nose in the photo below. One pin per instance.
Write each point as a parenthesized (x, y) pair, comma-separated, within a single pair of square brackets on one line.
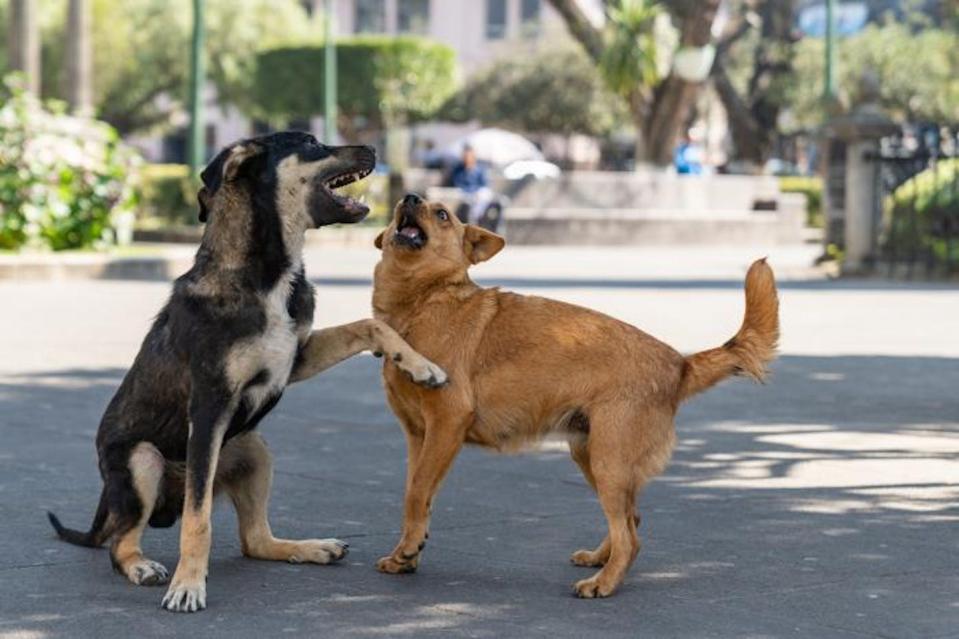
[(412, 199)]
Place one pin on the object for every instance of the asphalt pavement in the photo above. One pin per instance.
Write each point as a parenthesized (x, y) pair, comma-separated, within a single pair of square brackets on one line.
[(823, 504)]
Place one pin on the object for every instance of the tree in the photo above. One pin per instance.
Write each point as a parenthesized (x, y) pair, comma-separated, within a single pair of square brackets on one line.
[(78, 62), (917, 67), (383, 82), (141, 52), (555, 91), (23, 41), (753, 74), (626, 54)]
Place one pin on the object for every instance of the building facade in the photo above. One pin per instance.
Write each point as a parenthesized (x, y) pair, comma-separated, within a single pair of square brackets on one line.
[(480, 31)]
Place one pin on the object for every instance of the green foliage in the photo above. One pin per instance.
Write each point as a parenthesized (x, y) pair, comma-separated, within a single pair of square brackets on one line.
[(629, 58), (554, 91), (63, 180), (923, 212), (168, 194), (382, 81), (811, 187), (933, 193), (918, 70), (141, 51)]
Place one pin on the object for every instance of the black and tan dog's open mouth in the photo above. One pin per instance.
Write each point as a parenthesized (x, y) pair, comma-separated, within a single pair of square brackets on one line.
[(409, 233), (351, 205)]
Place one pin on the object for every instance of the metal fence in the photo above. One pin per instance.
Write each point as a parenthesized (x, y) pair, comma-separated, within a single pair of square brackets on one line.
[(917, 204)]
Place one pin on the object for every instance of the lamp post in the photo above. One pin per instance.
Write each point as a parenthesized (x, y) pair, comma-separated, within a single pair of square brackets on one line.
[(829, 86), (329, 76), (197, 153)]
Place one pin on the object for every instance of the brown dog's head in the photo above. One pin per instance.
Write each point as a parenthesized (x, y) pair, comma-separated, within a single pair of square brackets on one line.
[(427, 239)]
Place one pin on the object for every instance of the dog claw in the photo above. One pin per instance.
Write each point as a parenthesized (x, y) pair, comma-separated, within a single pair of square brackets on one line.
[(185, 598)]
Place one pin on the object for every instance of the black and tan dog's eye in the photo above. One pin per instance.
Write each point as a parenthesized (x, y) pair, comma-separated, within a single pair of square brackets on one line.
[(443, 215)]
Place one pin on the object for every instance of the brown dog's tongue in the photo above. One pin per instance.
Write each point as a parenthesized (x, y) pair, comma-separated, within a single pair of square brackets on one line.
[(410, 231)]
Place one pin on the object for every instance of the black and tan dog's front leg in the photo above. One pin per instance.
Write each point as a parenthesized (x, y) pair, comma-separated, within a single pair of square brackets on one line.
[(329, 346), (247, 475), (210, 416)]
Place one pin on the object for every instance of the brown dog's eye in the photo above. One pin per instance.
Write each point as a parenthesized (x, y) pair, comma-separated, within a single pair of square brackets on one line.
[(443, 214)]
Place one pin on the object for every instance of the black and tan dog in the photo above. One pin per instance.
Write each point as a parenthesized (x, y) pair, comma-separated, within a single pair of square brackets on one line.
[(523, 367), (235, 332)]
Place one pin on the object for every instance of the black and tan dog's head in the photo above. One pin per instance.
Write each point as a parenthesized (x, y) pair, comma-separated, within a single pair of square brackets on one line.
[(290, 174), (426, 239)]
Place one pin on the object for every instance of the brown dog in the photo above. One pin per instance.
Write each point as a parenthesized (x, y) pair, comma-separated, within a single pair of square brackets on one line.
[(522, 367)]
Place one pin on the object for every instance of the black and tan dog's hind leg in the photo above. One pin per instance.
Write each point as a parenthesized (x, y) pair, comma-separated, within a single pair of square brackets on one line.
[(329, 346), (246, 475), (146, 471), (210, 416), (131, 488)]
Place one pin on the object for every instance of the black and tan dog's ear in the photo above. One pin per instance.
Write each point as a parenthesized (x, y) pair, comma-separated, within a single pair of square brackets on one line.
[(238, 155), (378, 242), (205, 202), (223, 168), (480, 244)]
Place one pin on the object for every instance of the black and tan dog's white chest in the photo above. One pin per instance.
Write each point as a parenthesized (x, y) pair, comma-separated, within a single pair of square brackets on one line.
[(261, 364)]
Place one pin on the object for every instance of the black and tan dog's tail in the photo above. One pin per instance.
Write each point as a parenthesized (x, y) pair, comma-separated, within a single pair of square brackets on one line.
[(93, 538), (751, 349)]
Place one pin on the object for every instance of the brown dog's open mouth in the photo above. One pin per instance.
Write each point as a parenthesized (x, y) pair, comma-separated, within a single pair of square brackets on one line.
[(409, 233)]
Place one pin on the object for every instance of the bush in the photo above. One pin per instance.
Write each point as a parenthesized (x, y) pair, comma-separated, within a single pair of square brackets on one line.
[(811, 187), (934, 192), (553, 91), (922, 214), (168, 195), (64, 180), (381, 80)]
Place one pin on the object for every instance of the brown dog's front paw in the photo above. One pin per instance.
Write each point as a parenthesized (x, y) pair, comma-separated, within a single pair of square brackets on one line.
[(587, 559), (397, 566), (592, 588)]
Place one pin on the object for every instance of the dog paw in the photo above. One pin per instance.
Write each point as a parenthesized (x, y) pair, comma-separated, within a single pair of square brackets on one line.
[(397, 565), (422, 371), (147, 572), (592, 588), (319, 551), (587, 559), (185, 597)]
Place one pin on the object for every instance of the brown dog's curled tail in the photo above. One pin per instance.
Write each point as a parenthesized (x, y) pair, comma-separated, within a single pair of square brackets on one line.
[(751, 349)]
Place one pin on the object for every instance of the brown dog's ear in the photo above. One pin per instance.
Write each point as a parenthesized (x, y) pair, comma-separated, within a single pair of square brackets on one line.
[(378, 242), (480, 244)]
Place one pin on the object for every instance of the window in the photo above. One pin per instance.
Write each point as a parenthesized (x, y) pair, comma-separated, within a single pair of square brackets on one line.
[(495, 19), (414, 16), (529, 18), (370, 16)]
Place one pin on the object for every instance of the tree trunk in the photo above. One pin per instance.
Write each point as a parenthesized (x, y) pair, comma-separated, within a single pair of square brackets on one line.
[(78, 63), (24, 42), (753, 118), (674, 96)]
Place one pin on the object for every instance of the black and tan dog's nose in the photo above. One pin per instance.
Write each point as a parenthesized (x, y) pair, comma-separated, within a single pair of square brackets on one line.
[(412, 199)]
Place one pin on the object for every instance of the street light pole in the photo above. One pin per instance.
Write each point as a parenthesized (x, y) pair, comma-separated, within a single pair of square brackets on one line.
[(197, 126), (329, 76), (829, 88)]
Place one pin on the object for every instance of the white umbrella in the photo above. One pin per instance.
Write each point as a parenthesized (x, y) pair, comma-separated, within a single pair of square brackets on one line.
[(495, 146)]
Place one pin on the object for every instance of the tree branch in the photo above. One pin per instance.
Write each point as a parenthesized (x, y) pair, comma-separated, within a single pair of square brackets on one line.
[(580, 27)]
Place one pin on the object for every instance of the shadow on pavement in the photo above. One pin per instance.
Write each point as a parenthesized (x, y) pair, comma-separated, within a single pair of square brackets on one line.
[(823, 505)]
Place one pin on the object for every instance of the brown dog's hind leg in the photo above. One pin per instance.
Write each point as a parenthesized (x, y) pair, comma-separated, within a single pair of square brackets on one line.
[(146, 465), (579, 451), (329, 346), (247, 476)]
